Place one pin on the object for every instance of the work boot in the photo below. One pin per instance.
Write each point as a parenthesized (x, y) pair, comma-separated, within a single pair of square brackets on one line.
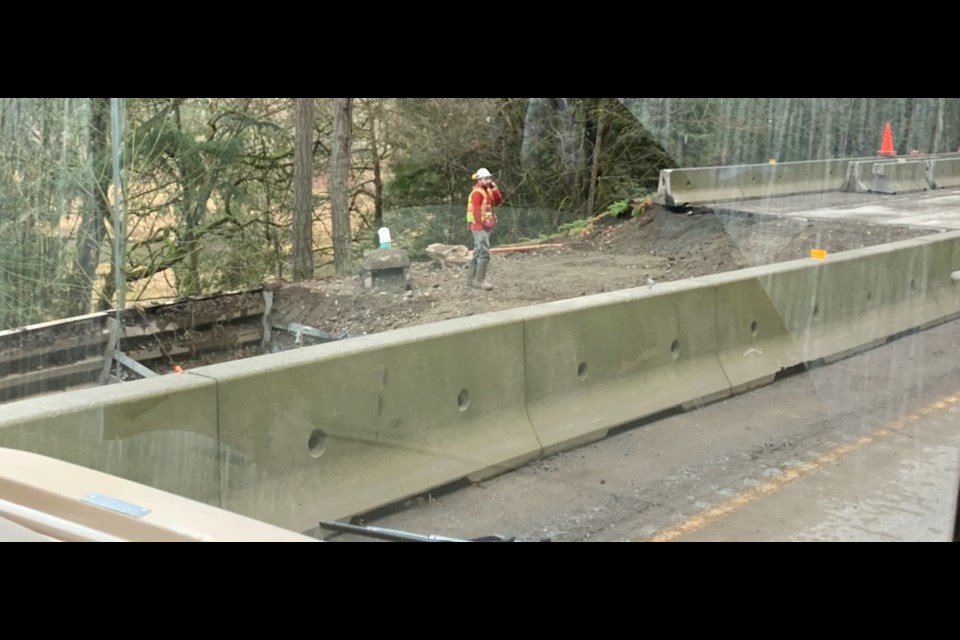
[(480, 281), (471, 271)]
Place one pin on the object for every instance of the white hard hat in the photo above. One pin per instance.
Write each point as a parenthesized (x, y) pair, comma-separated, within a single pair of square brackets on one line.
[(483, 173)]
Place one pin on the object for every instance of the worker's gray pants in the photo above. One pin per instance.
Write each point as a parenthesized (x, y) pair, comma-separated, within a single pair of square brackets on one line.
[(481, 247)]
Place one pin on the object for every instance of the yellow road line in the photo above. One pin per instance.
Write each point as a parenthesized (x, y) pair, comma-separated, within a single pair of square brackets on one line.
[(795, 472)]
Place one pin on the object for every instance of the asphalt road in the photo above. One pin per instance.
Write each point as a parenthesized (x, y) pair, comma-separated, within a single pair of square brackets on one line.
[(866, 449), (934, 210)]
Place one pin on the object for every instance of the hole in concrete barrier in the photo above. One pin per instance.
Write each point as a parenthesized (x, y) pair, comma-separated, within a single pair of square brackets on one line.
[(913, 286), (869, 297), (463, 400), (317, 443), (754, 328), (816, 311), (582, 371), (675, 349)]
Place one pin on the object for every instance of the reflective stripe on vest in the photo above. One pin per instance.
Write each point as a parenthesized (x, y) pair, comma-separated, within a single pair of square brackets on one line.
[(485, 207)]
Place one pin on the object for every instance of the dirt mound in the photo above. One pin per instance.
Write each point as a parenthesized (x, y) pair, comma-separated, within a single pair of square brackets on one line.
[(703, 241)]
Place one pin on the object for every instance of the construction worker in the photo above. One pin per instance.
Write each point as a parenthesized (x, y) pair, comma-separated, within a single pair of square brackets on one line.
[(482, 219)]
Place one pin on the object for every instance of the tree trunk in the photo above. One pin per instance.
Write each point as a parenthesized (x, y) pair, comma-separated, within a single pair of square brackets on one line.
[(826, 137), (339, 188), (780, 149), (740, 133), (936, 139), (813, 129), (874, 141), (188, 273), (726, 127), (596, 156), (198, 180), (377, 176), (567, 141), (533, 125), (91, 230), (908, 112), (303, 190), (668, 139)]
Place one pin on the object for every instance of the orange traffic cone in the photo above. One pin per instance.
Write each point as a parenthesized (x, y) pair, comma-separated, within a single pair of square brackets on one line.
[(886, 146)]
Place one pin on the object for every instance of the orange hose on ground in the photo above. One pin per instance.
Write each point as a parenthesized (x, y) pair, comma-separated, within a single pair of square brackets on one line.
[(529, 247)]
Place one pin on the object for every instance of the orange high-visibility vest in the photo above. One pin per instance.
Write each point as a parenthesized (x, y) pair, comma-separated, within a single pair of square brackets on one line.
[(486, 209)]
